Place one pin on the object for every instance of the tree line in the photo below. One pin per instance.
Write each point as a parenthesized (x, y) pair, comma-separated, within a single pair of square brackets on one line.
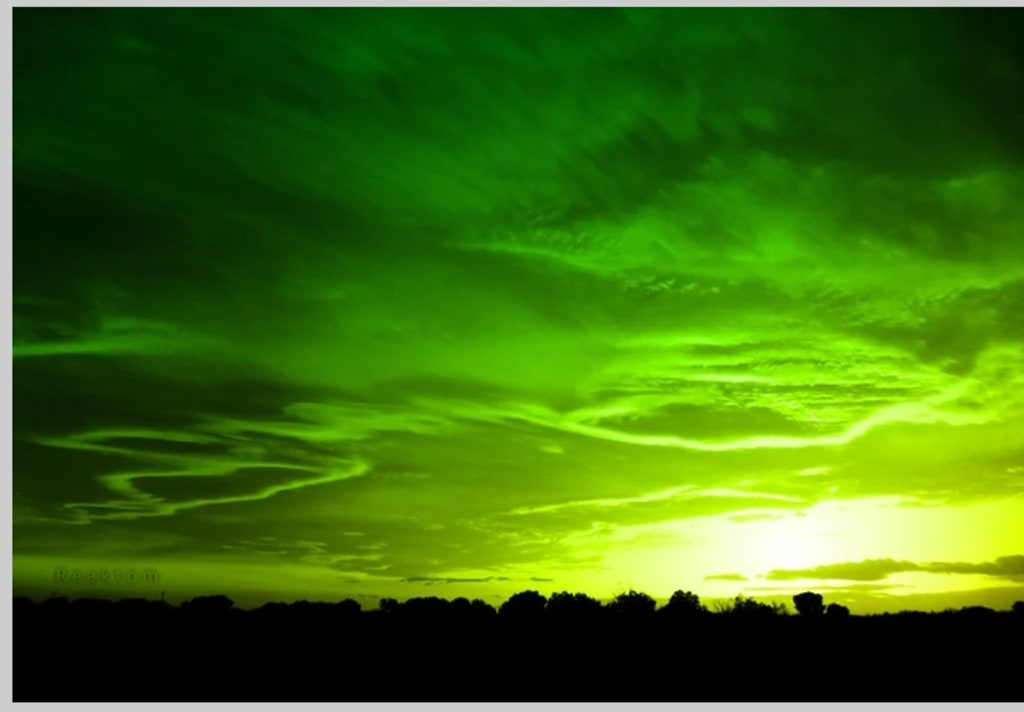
[(522, 607)]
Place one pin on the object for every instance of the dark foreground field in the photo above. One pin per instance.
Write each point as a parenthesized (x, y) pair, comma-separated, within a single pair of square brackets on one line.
[(150, 652)]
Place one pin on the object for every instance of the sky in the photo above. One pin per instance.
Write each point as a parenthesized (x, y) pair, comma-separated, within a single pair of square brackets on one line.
[(328, 303)]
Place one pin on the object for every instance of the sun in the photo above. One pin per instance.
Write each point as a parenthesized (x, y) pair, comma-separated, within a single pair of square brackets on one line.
[(792, 542)]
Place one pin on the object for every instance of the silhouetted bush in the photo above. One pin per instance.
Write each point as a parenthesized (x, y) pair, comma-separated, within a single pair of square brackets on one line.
[(836, 610), (684, 605), (568, 607), (425, 610), (349, 608), (633, 606), (208, 604), (976, 613), (480, 611), (523, 607), (809, 604), (748, 609), (1018, 608)]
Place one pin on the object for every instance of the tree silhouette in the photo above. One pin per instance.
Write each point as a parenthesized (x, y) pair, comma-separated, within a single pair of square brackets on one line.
[(572, 607), (347, 610), (809, 604), (481, 610), (633, 605), (836, 610), (524, 606), (433, 646), (461, 609), (748, 609), (684, 605), (976, 613), (208, 604), (428, 609)]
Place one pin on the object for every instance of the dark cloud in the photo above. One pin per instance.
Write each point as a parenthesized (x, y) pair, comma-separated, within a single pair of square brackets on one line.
[(454, 580), (1008, 567), (870, 570), (433, 580)]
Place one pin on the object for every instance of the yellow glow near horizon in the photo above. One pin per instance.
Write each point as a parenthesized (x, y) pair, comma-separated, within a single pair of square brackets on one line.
[(682, 554)]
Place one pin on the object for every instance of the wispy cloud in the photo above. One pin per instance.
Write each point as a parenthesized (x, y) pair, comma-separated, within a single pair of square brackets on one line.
[(726, 577), (685, 492), (1007, 567), (430, 580), (449, 580), (139, 504)]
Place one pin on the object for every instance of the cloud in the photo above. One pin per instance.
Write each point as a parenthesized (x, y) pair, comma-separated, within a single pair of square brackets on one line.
[(450, 580), (139, 504), (726, 577), (217, 462), (335, 422), (114, 336), (430, 580), (869, 570), (844, 588), (1007, 567), (677, 493)]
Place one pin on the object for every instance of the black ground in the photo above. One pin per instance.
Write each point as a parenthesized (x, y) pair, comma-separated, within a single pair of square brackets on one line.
[(150, 652)]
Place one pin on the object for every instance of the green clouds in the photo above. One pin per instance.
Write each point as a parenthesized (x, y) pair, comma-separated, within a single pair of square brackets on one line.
[(478, 284), (1007, 567)]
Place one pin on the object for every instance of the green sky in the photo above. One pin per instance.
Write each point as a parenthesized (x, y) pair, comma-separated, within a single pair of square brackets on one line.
[(326, 303)]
